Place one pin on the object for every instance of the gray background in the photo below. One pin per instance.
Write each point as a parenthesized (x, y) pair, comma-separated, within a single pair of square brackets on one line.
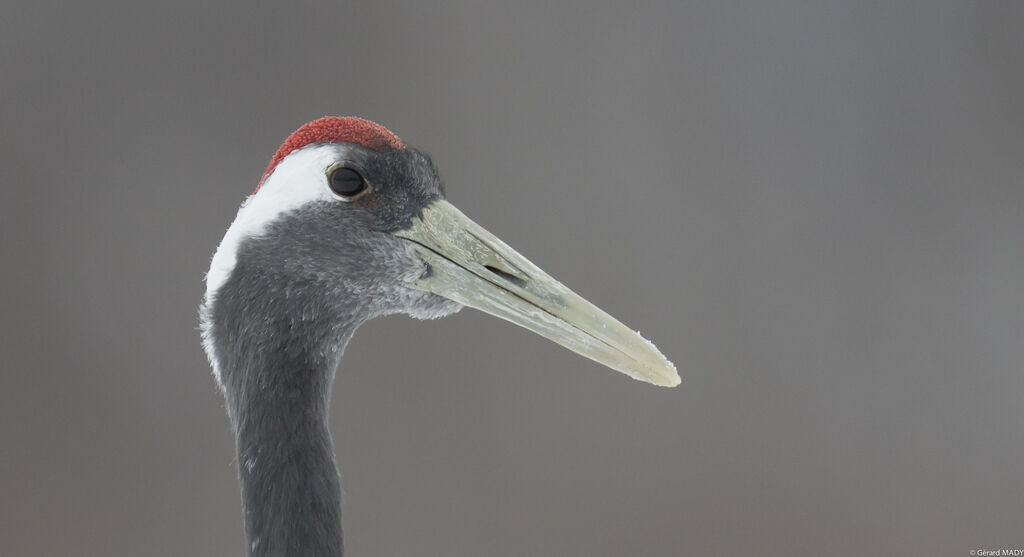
[(816, 212)]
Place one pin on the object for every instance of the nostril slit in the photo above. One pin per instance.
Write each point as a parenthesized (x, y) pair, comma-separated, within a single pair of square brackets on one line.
[(428, 271), (505, 275)]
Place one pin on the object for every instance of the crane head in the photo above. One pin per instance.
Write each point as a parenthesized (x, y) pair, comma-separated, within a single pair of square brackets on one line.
[(349, 223)]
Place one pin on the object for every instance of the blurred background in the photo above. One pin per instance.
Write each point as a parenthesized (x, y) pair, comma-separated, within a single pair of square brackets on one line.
[(816, 211)]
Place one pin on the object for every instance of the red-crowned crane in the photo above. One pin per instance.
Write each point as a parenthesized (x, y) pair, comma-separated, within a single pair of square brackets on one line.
[(349, 223)]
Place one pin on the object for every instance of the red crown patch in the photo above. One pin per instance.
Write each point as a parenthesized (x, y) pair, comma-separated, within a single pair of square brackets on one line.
[(335, 129)]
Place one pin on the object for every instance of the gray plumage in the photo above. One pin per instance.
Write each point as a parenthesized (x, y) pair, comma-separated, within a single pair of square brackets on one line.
[(280, 325)]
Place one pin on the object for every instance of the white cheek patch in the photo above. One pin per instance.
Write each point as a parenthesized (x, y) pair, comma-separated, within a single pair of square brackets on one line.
[(298, 180)]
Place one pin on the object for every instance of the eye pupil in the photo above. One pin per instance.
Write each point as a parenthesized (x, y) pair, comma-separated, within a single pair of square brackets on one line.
[(346, 182)]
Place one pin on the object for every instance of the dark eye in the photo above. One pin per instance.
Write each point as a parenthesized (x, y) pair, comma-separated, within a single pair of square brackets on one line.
[(345, 181)]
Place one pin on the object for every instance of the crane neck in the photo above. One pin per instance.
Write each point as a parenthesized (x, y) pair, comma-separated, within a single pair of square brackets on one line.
[(290, 491), (277, 373)]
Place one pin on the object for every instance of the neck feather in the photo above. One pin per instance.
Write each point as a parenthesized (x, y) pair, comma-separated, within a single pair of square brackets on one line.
[(289, 479), (276, 370)]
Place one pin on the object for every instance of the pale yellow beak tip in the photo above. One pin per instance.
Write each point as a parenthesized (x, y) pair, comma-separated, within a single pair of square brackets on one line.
[(663, 376), (655, 368), (672, 381)]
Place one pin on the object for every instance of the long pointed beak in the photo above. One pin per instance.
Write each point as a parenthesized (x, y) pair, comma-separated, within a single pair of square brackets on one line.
[(474, 268)]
